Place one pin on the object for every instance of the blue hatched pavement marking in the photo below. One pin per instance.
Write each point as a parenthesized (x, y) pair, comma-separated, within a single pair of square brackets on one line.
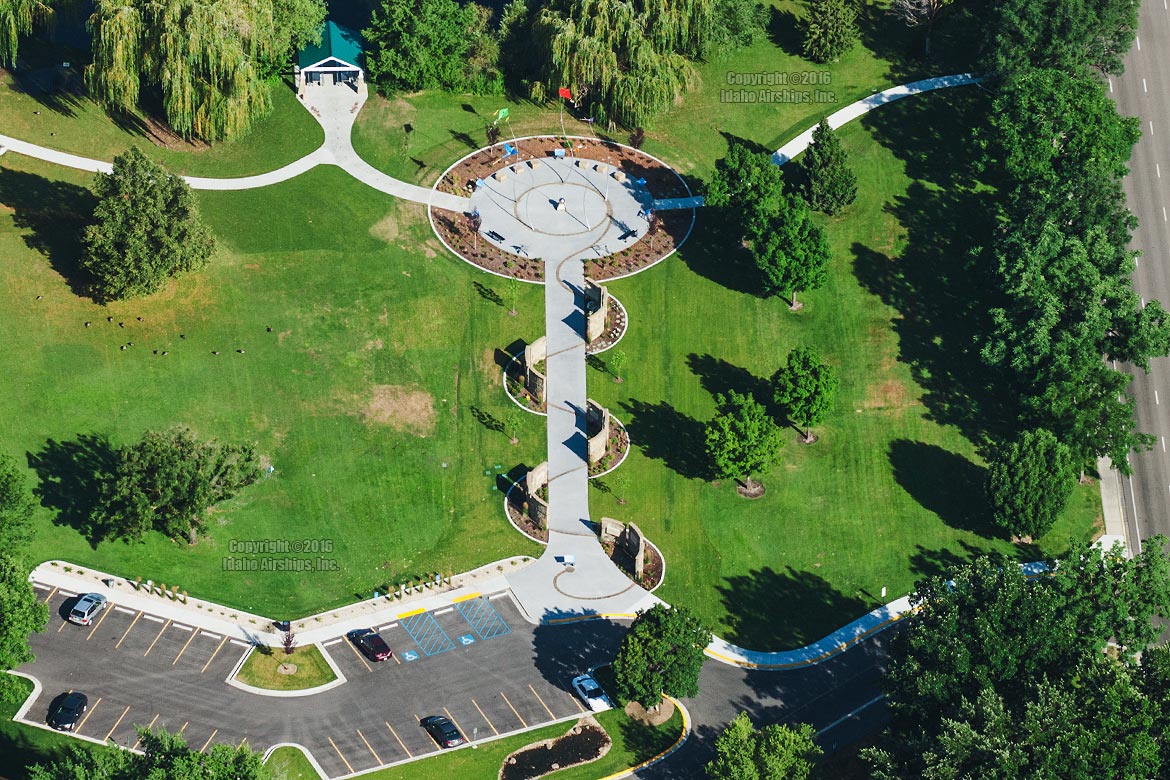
[(426, 633), (483, 617)]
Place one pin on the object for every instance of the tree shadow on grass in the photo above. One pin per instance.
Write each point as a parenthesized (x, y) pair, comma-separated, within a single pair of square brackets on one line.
[(717, 376), (944, 483), (72, 475), (53, 216), (784, 30), (771, 610), (715, 252), (464, 139), (665, 433)]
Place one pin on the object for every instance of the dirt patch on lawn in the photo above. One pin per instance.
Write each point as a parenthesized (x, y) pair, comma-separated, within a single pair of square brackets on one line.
[(401, 408), (654, 717), (889, 394), (386, 229)]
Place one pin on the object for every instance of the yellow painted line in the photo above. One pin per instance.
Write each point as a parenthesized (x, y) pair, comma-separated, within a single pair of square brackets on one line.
[(400, 743), (117, 723), (127, 631), (109, 608), (542, 704), (599, 616), (517, 714), (686, 730), (183, 727), (91, 709), (148, 728), (468, 597), (347, 766), (222, 642), (809, 661), (394, 655), (371, 748), (452, 718), (191, 638), (242, 741), (208, 742), (412, 613), (483, 715), (359, 656), (576, 701), (51, 594), (61, 627), (157, 637)]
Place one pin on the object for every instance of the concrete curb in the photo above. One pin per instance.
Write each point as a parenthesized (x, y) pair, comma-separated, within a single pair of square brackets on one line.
[(339, 680), (686, 733), (304, 751)]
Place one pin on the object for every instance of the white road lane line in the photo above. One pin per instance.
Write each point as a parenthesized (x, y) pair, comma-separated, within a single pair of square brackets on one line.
[(846, 717), (1163, 444), (1151, 127), (1110, 85), (1158, 169), (1164, 219), (1156, 401), (1138, 40), (1144, 87)]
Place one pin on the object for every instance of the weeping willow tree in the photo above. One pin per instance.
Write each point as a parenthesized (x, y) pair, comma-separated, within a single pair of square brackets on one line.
[(629, 60), (17, 18), (204, 56)]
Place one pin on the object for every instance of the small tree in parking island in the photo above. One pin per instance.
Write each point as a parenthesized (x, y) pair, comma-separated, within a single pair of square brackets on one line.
[(774, 752), (742, 439), (661, 653), (831, 185), (805, 388), (146, 228), (790, 250), (1029, 482), (830, 29)]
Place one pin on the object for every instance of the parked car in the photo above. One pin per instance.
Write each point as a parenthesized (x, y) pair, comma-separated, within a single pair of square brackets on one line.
[(371, 643), (591, 693), (87, 608), (68, 711), (442, 730)]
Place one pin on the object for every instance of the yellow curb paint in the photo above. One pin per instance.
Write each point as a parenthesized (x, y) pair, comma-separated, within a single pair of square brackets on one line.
[(468, 597), (412, 613)]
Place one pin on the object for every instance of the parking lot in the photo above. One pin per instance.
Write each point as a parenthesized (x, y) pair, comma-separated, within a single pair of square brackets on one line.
[(475, 662)]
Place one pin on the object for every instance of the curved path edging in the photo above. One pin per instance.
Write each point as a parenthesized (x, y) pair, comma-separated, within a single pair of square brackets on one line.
[(304, 751), (678, 743), (340, 678)]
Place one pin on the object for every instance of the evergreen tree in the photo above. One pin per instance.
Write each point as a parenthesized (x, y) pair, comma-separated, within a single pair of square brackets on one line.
[(831, 184), (146, 229), (830, 30), (418, 44), (1029, 482), (789, 249)]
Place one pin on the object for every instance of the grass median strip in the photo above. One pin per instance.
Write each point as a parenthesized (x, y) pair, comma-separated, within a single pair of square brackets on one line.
[(263, 669)]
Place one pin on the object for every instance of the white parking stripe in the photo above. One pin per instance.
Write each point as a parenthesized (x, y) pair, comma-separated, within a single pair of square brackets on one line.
[(180, 626), (67, 594), (126, 611), (155, 619), (445, 611), (39, 586), (331, 642), (238, 643), (499, 595), (208, 633), (388, 625)]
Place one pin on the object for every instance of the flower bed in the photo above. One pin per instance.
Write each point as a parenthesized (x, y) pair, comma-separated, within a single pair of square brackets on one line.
[(615, 448), (585, 742)]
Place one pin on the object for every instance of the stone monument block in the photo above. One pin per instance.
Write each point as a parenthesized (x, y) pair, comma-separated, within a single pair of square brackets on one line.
[(597, 426), (596, 309), (635, 544), (500, 175), (601, 168), (611, 530), (534, 480), (534, 381), (619, 177)]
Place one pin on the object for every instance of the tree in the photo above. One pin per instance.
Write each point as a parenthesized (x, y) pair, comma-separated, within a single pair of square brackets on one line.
[(1029, 483), (617, 363), (21, 614), (1062, 34), (830, 30), (419, 44), (661, 653), (790, 250), (748, 183), (296, 24), (918, 13), (163, 755), (207, 58), (167, 482), (805, 388), (16, 505), (146, 228), (998, 675), (741, 438), (831, 184), (17, 18), (775, 752)]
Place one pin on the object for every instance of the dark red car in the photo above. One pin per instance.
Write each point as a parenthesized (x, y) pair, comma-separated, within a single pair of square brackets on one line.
[(370, 642)]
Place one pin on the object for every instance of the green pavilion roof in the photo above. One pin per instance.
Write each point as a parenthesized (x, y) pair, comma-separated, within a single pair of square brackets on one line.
[(337, 42)]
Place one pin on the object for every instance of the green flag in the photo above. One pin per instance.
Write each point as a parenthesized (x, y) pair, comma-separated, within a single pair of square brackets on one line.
[(502, 114)]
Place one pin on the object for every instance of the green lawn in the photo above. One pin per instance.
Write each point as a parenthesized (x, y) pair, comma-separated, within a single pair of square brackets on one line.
[(289, 763), (367, 395), (78, 125), (262, 669), (892, 490), (22, 747)]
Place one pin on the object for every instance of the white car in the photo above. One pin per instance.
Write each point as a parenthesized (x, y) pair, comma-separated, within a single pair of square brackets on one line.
[(87, 608), (591, 693)]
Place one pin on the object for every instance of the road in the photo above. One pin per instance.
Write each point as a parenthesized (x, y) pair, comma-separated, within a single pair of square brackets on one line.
[(1142, 91)]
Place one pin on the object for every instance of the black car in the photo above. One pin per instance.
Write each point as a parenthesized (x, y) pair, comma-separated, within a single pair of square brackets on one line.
[(68, 711), (442, 731), (371, 643)]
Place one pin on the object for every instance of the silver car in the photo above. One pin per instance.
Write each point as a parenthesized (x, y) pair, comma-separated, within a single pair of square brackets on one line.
[(591, 693), (87, 608)]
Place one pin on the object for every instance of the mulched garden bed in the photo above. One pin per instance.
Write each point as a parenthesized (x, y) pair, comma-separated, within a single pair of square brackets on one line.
[(514, 506), (615, 448), (652, 570), (585, 742), (661, 180), (615, 326), (514, 376)]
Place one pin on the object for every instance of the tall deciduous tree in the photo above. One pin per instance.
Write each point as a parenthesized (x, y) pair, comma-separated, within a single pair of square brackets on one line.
[(831, 183), (748, 184), (830, 30), (418, 44), (789, 249), (146, 229), (919, 13), (296, 24), (805, 388), (1029, 482), (17, 18), (163, 755), (742, 439), (1063, 34), (21, 614), (16, 505), (774, 752), (661, 653)]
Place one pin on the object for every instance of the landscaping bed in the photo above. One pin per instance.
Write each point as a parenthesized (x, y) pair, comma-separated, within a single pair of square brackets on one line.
[(586, 742), (264, 665), (616, 322), (653, 568), (615, 449), (514, 506), (514, 376)]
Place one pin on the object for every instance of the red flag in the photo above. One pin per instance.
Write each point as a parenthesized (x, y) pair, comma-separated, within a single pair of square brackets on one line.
[(565, 93)]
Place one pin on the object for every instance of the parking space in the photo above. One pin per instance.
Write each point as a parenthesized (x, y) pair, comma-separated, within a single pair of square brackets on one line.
[(484, 619), (426, 632)]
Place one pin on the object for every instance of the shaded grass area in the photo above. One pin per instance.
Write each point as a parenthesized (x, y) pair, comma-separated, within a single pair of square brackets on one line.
[(23, 747), (262, 669), (289, 763), (373, 395), (892, 491), (632, 744), (43, 107)]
